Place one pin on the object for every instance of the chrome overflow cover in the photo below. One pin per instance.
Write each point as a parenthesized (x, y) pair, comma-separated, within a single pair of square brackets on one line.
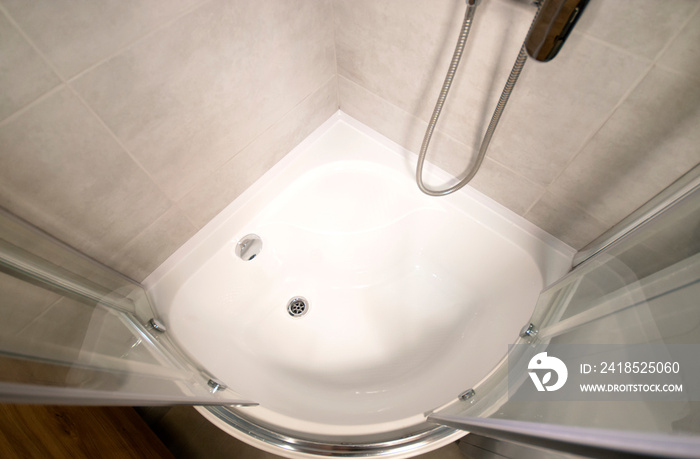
[(248, 247)]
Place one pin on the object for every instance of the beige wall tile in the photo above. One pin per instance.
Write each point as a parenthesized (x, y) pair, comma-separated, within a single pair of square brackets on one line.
[(683, 54), (183, 97), (21, 303), (378, 113), (642, 27), (63, 326), (217, 190), (493, 179), (54, 253), (75, 35), (403, 128), (556, 106), (140, 256), (188, 98), (61, 170), (208, 102), (391, 61), (567, 222), (24, 75), (650, 141), (507, 187), (400, 51)]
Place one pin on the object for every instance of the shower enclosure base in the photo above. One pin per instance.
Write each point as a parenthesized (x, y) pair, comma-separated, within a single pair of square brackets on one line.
[(408, 300)]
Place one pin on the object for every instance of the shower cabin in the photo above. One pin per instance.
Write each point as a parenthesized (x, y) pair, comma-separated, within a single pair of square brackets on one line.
[(76, 332)]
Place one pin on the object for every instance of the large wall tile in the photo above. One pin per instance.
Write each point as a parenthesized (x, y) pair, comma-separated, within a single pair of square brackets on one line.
[(642, 27), (403, 128), (24, 75), (188, 98), (401, 50), (683, 54), (15, 232), (153, 245), (650, 141), (568, 222), (493, 179), (21, 303), (76, 34), (218, 189), (60, 330), (556, 106), (506, 186), (61, 170), (392, 58)]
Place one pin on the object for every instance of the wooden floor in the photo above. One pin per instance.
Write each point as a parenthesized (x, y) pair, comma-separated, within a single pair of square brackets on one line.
[(57, 432), (38, 431)]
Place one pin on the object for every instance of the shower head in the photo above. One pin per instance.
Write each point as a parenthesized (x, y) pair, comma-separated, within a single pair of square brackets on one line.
[(552, 26)]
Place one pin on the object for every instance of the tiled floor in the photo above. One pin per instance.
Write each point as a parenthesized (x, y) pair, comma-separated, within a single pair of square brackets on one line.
[(188, 435)]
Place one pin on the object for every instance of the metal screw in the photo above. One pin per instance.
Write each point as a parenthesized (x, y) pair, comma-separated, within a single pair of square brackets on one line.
[(529, 330), (215, 386), (157, 325), (467, 394)]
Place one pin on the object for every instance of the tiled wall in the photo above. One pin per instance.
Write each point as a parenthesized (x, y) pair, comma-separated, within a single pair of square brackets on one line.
[(586, 138), (126, 125)]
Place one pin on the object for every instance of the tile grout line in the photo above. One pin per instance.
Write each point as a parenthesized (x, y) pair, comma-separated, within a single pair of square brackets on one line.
[(673, 38), (38, 318), (251, 142), (41, 55), (179, 208), (158, 219), (136, 40), (540, 194), (19, 112), (420, 120), (283, 116), (66, 81), (114, 137), (335, 55), (677, 33)]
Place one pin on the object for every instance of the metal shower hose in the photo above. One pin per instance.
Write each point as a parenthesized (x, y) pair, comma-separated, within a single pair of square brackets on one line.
[(505, 94)]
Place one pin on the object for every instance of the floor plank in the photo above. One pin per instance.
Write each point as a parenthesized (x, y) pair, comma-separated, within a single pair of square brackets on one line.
[(39, 431)]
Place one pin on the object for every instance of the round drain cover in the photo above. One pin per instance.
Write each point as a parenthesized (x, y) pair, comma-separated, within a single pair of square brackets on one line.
[(297, 306)]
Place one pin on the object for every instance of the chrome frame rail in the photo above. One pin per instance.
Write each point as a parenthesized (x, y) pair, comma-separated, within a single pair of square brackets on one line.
[(584, 441), (404, 443), (682, 187)]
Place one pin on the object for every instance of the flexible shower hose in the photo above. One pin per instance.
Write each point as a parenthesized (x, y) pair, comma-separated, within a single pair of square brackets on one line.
[(495, 118)]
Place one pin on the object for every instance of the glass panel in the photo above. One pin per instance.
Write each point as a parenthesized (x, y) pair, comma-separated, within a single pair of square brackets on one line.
[(641, 291), (73, 331)]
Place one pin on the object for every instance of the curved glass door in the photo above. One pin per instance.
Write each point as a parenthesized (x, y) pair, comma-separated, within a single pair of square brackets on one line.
[(626, 325), (75, 332)]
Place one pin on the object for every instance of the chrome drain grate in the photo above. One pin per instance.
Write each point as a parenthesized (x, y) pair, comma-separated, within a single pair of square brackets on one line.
[(297, 306)]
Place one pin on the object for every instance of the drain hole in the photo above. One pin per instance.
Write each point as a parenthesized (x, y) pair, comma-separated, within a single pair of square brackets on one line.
[(297, 306)]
